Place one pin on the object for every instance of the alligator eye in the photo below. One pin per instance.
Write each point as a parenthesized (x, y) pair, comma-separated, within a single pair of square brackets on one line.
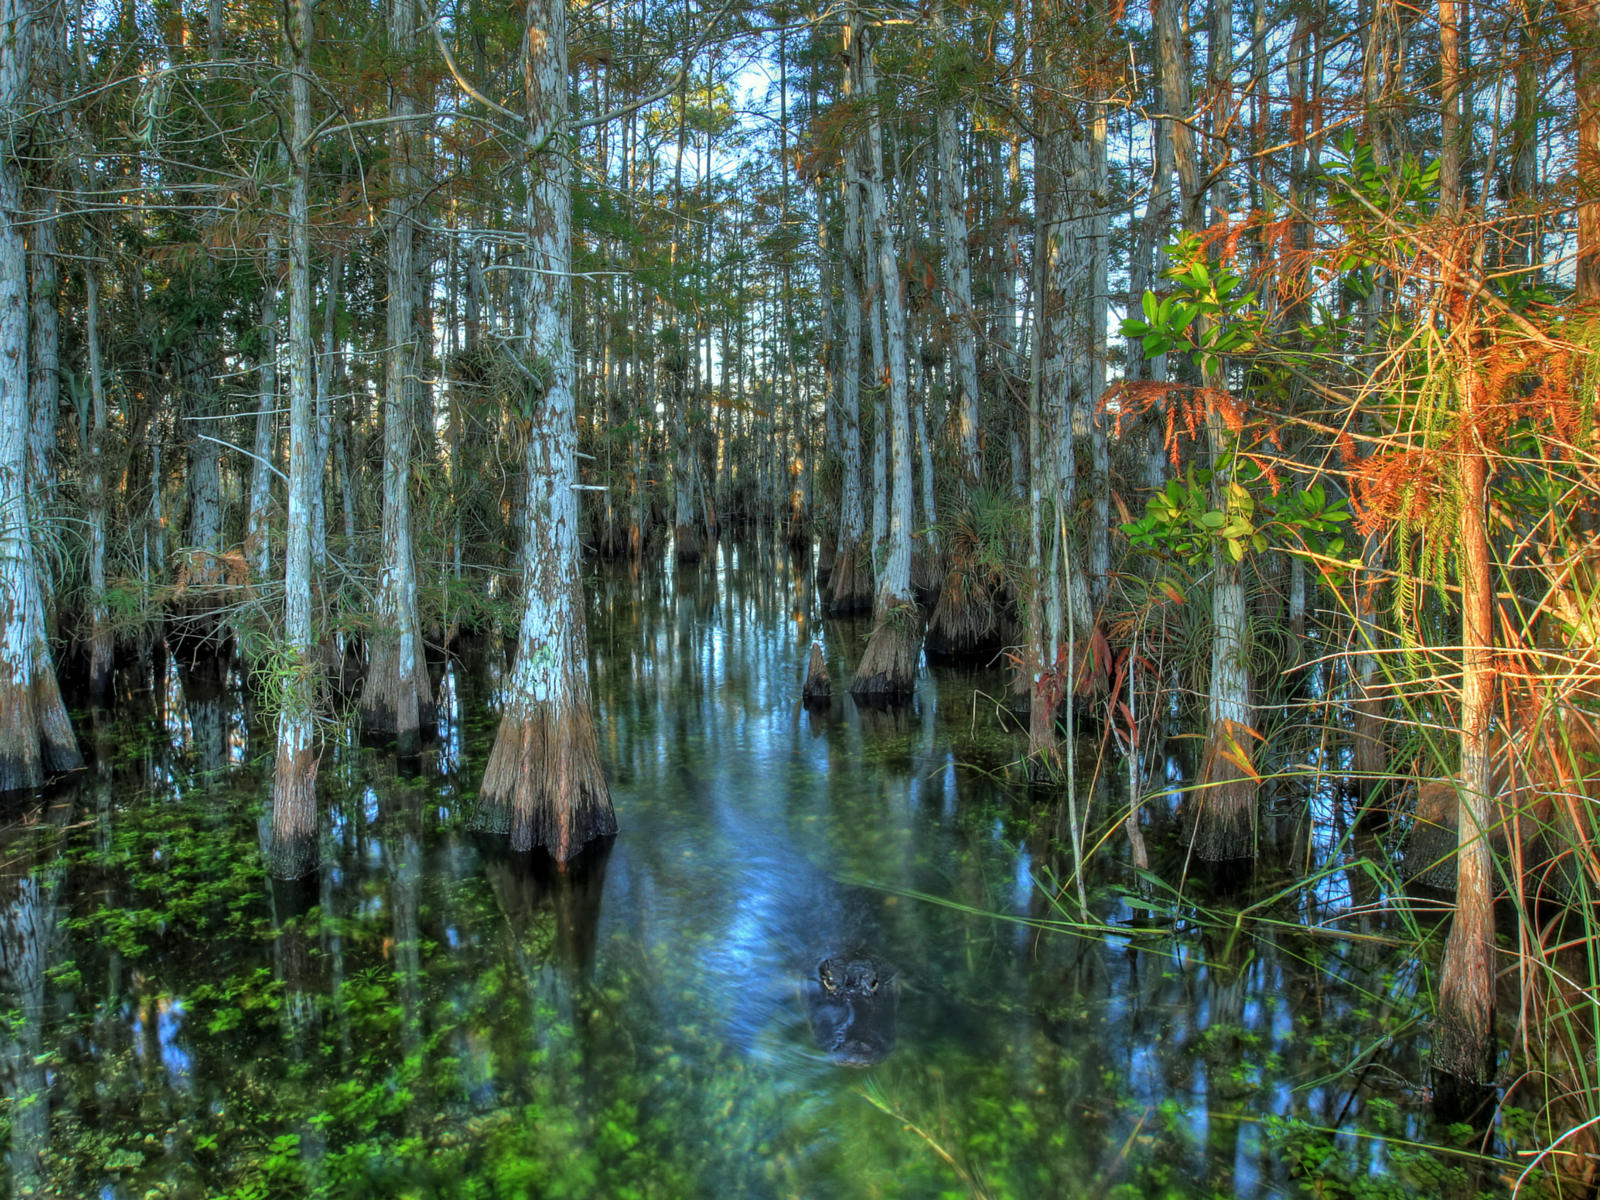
[(825, 975)]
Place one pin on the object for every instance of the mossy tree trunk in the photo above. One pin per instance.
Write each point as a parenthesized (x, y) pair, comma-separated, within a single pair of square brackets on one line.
[(543, 783)]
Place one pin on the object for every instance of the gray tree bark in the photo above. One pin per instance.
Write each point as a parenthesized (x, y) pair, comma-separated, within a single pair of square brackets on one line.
[(543, 783), (35, 734), (890, 663), (396, 699)]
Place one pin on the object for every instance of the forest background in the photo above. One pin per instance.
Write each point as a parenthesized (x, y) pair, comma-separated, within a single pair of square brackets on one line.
[(1185, 354)]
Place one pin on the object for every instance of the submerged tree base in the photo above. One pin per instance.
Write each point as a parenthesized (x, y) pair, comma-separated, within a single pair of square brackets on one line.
[(393, 706), (36, 739), (851, 583), (893, 655), (686, 545), (292, 850), (543, 785), (966, 620), (819, 687), (1222, 821)]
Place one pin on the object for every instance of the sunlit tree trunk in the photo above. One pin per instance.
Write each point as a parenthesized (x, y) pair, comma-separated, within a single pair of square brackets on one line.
[(543, 783), (35, 734), (45, 359), (330, 375), (1463, 1041), (293, 847), (889, 664), (880, 366), (1449, 107), (1173, 53), (396, 699), (1041, 593), (1524, 136)]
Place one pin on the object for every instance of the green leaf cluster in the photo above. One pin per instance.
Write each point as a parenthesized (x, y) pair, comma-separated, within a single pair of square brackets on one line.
[(1183, 524)]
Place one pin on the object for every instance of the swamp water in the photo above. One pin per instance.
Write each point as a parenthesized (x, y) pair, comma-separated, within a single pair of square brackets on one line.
[(430, 1016)]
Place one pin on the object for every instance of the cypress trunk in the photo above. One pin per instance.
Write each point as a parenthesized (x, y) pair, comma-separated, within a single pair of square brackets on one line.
[(100, 645), (35, 734), (889, 664), (257, 542), (292, 850), (1582, 19), (850, 582), (1463, 1043), (543, 784), (396, 700)]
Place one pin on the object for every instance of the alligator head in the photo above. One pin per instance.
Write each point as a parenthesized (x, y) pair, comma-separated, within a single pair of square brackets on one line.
[(852, 1005)]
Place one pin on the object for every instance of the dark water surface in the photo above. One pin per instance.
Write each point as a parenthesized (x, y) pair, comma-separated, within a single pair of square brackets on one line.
[(428, 1016)]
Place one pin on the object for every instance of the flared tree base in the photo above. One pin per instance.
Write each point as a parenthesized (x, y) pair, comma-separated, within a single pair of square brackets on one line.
[(893, 655), (1222, 822), (292, 848), (1463, 1031), (686, 546), (851, 584), (966, 620), (827, 554), (543, 785), (819, 687), (394, 706), (36, 739)]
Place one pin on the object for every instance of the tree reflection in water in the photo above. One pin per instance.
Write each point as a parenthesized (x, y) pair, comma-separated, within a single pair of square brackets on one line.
[(429, 1015)]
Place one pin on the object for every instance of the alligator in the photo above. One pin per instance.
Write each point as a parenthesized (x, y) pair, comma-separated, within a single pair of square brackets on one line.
[(852, 1003)]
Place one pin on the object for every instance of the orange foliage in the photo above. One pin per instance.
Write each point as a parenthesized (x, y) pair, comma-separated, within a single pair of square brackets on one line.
[(1188, 404), (1513, 381)]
